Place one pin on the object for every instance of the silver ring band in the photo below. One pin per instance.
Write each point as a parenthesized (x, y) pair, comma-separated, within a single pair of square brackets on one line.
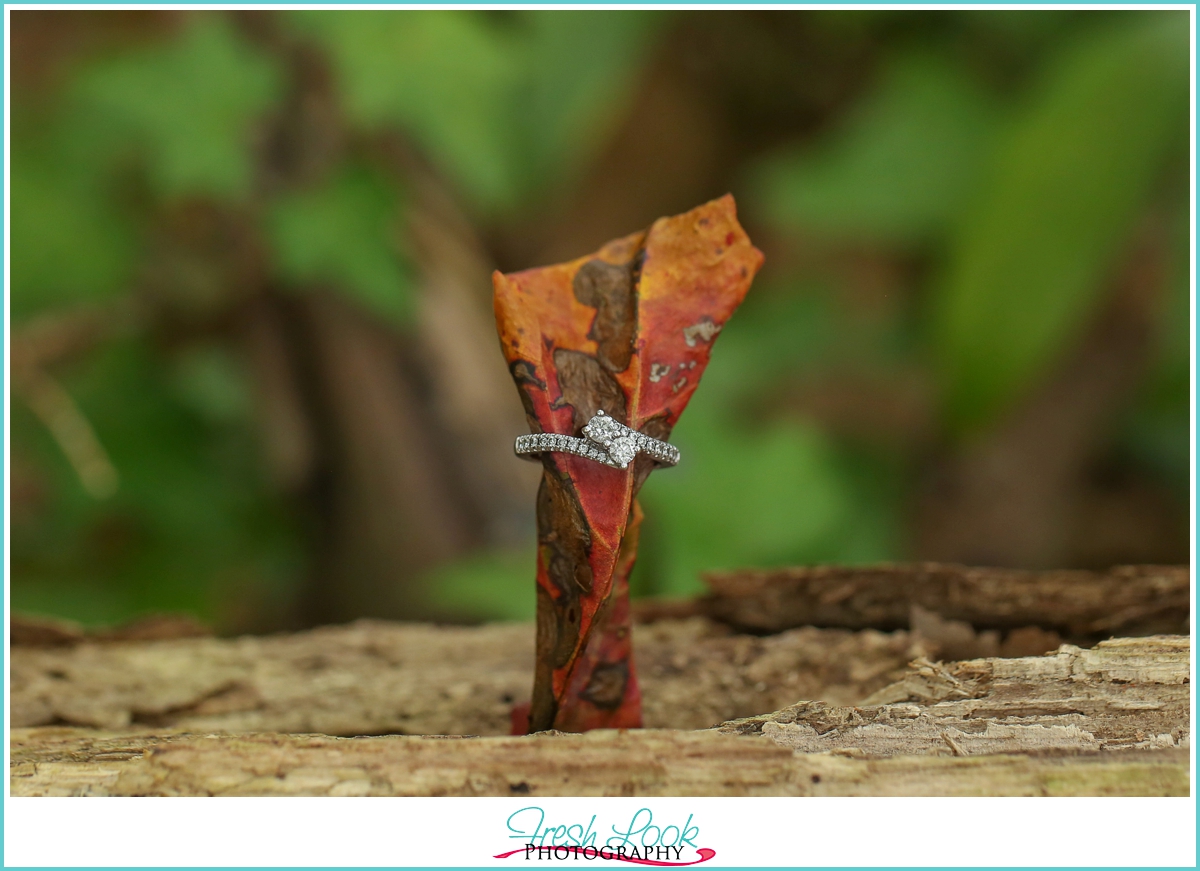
[(606, 441)]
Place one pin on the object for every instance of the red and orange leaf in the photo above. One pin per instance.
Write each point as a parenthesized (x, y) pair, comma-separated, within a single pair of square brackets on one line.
[(627, 330)]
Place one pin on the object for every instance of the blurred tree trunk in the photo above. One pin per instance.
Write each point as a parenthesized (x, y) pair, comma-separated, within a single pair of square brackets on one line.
[(1026, 492), (397, 440), (384, 499)]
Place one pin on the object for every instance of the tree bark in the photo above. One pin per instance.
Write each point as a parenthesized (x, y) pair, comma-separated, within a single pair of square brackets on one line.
[(1081, 605), (374, 678), (1127, 693), (603, 762), (1108, 721)]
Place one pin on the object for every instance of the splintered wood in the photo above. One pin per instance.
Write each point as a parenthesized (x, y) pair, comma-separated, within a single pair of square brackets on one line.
[(1128, 693), (1108, 721), (804, 711), (373, 678), (608, 762)]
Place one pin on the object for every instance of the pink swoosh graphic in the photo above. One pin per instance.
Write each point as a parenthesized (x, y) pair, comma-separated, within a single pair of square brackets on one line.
[(704, 852)]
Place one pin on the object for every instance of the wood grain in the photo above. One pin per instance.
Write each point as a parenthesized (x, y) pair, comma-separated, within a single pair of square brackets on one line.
[(1124, 694), (1080, 605), (602, 763), (1112, 720), (375, 678)]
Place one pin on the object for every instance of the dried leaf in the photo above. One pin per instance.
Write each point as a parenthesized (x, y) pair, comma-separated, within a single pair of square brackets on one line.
[(628, 331)]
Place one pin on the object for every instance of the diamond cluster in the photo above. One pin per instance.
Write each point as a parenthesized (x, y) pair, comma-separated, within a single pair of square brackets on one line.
[(607, 441), (618, 440)]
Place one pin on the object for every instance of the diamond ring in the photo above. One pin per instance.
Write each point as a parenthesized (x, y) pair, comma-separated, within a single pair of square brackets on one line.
[(605, 441)]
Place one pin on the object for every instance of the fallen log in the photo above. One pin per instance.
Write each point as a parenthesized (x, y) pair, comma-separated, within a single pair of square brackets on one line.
[(373, 678), (600, 763), (1124, 694), (1035, 726), (1079, 605)]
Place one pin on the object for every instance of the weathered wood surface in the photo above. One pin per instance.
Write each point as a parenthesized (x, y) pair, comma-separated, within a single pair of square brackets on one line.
[(1032, 726), (372, 678), (1080, 605), (604, 762), (1124, 694)]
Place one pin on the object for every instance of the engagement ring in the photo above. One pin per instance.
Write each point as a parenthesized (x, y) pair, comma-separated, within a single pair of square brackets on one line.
[(606, 441)]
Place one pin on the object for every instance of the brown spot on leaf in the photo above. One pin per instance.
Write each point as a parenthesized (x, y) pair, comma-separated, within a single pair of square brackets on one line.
[(606, 689), (609, 289), (587, 387), (566, 535), (525, 376), (565, 543)]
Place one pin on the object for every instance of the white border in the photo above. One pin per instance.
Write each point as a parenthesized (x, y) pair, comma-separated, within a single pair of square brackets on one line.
[(356, 832)]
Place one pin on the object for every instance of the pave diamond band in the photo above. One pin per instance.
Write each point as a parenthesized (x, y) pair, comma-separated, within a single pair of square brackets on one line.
[(606, 441), (544, 442)]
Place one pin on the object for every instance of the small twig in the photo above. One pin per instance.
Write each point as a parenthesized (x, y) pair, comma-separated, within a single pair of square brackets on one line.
[(68, 425), (53, 338)]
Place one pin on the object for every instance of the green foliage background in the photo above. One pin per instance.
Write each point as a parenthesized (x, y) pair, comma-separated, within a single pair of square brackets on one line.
[(1015, 188)]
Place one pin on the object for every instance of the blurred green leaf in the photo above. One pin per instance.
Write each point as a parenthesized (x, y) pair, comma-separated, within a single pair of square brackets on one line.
[(896, 170), (1066, 186), (342, 234), (189, 485), (209, 381), (445, 77), (80, 599), (69, 244), (503, 105), (498, 585), (760, 491), (773, 495), (190, 105), (579, 69)]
